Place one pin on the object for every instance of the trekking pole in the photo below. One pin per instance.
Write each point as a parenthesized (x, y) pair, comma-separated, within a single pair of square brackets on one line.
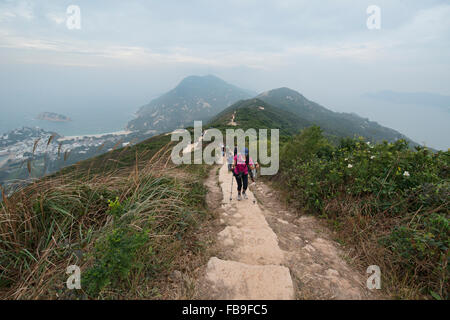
[(231, 192)]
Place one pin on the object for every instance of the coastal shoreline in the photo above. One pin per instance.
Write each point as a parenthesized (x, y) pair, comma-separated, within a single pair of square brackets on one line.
[(99, 135)]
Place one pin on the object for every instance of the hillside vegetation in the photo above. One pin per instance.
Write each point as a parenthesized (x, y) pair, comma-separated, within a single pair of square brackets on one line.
[(127, 219), (386, 201)]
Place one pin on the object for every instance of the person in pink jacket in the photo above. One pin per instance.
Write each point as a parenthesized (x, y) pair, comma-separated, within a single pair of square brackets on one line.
[(241, 163)]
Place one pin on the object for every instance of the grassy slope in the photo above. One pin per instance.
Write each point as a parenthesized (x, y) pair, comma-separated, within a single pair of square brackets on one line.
[(126, 218)]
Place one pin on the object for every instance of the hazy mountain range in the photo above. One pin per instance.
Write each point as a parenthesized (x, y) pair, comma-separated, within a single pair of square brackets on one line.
[(206, 97)]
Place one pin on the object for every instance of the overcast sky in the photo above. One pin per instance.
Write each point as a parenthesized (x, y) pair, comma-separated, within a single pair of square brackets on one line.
[(137, 49)]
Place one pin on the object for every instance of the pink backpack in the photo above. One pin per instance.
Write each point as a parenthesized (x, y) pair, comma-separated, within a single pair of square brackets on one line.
[(240, 165)]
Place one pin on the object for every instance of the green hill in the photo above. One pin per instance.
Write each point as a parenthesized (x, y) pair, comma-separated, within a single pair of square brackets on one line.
[(255, 113)]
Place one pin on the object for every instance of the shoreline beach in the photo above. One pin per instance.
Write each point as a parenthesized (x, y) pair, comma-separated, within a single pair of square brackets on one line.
[(99, 135)]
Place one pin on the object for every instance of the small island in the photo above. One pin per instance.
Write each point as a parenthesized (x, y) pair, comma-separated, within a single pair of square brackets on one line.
[(54, 117)]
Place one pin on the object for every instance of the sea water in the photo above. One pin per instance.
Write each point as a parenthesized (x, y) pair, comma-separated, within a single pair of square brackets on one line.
[(85, 120)]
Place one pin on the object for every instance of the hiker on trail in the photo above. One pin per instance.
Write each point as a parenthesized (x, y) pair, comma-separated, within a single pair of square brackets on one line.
[(230, 160), (241, 164), (254, 170)]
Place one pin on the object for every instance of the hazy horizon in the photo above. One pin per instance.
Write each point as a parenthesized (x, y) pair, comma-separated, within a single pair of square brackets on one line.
[(126, 53)]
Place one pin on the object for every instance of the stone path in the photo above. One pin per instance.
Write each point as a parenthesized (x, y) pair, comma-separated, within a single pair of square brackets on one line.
[(254, 268)]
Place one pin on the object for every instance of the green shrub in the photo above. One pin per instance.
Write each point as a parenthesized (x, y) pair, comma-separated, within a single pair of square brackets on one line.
[(114, 256), (391, 181), (115, 208)]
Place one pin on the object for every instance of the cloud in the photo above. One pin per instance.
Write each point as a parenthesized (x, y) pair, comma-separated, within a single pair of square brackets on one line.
[(56, 18), (16, 9), (138, 55), (7, 15), (259, 35)]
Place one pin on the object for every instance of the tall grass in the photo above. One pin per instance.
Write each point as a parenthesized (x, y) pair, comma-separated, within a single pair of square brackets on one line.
[(122, 226)]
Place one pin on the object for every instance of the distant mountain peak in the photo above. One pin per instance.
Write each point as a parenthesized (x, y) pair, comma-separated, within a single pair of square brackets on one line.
[(196, 78), (283, 91), (194, 98), (195, 82)]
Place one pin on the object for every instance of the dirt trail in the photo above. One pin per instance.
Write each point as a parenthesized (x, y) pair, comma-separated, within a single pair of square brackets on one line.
[(267, 252), (233, 122)]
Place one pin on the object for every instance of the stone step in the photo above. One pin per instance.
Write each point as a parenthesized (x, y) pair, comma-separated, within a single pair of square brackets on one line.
[(231, 280)]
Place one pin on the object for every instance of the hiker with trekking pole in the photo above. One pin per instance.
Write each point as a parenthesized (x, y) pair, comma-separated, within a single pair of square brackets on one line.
[(242, 165)]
